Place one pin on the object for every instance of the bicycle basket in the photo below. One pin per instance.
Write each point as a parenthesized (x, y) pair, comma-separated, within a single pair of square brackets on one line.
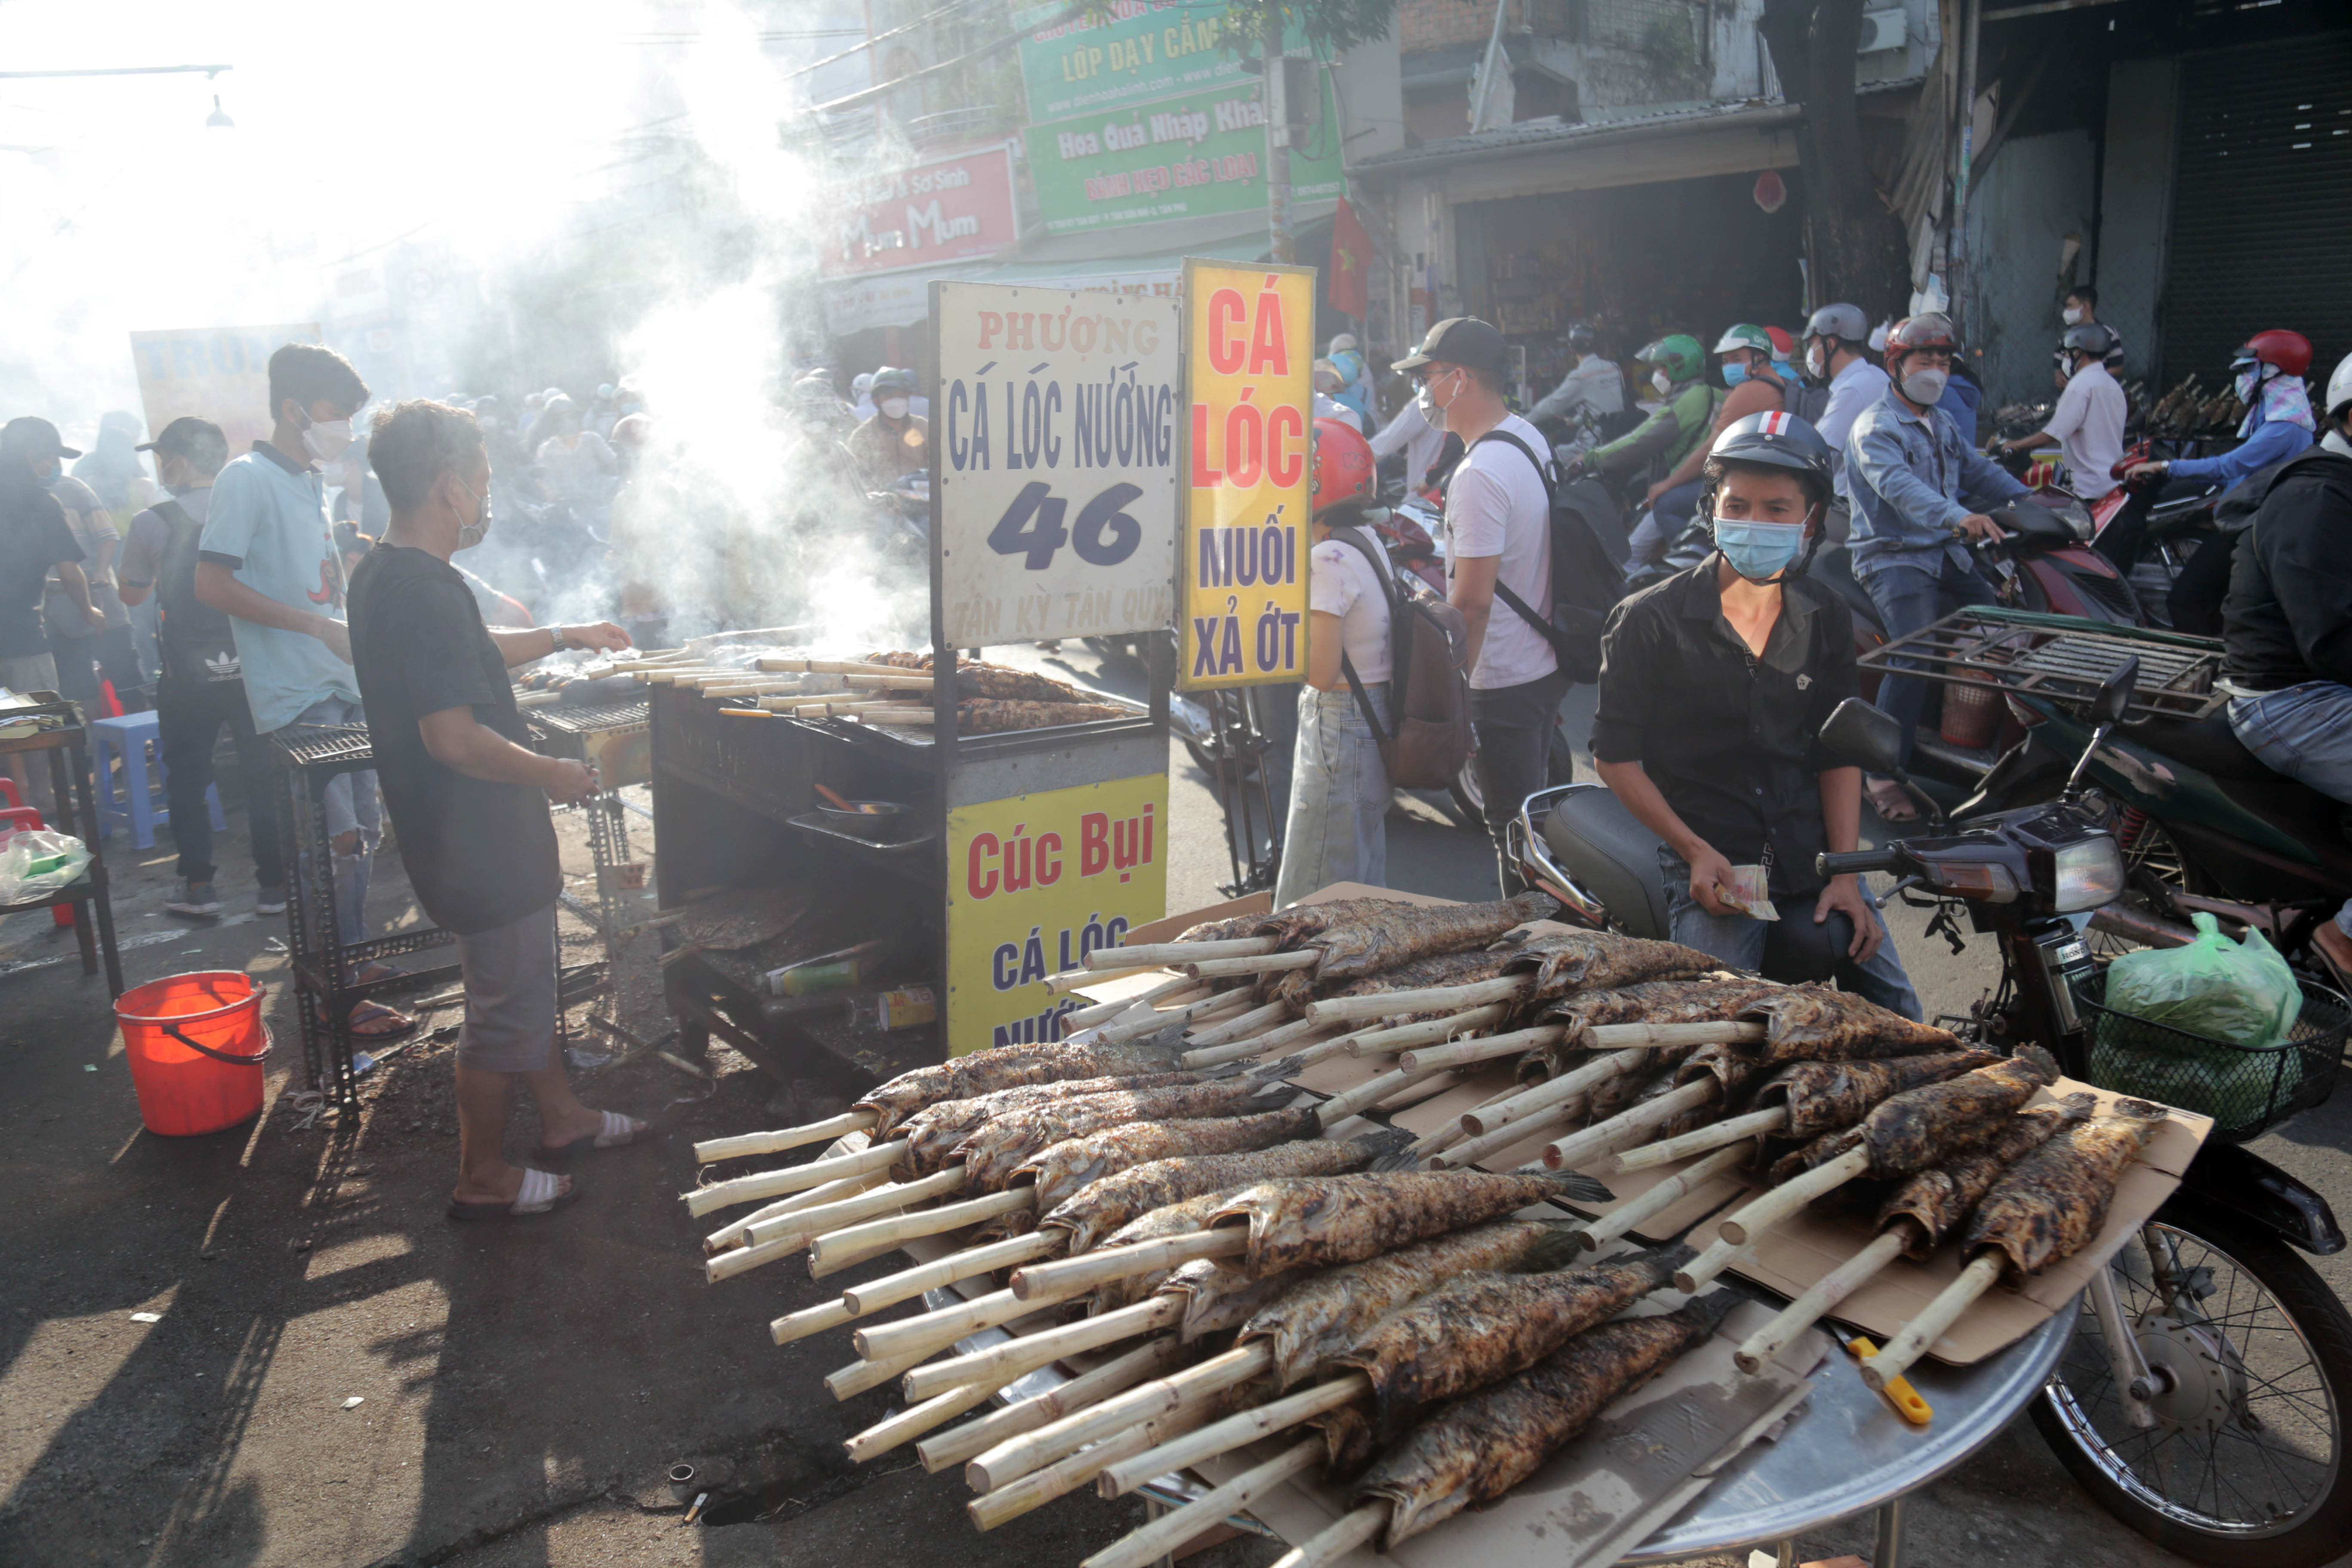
[(2246, 1089)]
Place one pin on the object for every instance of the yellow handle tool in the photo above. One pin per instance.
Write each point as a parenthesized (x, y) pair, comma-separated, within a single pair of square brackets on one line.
[(1899, 1393)]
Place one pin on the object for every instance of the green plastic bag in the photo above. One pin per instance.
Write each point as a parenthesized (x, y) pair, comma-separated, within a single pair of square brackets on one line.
[(2241, 993)]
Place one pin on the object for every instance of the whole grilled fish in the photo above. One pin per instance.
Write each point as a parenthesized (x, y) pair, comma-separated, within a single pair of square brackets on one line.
[(1478, 1328), (1217, 1298), (1115, 1200), (933, 1132), (1571, 960), (1006, 1066), (1318, 1221), (1295, 988), (1938, 1198), (1061, 1170), (2051, 1204), (1355, 946), (1182, 1217), (1813, 1022), (1914, 1129), (1004, 1143), (1649, 1001), (1824, 1096)]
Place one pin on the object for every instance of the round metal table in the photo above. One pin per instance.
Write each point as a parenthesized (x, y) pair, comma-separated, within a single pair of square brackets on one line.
[(1846, 1451)]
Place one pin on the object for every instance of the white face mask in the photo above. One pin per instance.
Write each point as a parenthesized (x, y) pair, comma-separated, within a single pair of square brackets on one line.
[(894, 409), (2071, 315), (1924, 386), (1662, 382), (1426, 401), (470, 534), (1817, 361), (326, 439)]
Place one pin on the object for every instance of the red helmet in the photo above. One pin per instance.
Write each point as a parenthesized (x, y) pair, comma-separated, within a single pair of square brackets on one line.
[(2290, 351), (1345, 468), (1927, 330), (1783, 345)]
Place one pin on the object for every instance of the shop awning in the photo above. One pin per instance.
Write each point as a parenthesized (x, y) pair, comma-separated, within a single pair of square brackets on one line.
[(1545, 157)]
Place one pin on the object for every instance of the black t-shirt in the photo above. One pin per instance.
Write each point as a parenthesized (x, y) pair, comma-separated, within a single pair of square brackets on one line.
[(1728, 737), (34, 537), (479, 855)]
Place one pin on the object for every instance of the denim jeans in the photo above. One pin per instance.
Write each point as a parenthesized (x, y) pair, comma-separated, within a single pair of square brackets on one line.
[(1513, 726), (1910, 595), (351, 806), (1340, 796), (2305, 733), (189, 716), (1791, 949)]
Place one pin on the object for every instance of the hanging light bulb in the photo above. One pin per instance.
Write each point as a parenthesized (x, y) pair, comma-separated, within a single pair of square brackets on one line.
[(218, 118)]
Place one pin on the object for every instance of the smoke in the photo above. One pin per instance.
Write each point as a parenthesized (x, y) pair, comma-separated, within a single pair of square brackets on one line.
[(473, 198)]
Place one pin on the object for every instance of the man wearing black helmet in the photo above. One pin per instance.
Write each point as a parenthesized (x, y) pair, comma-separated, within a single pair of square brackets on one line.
[(2087, 426), (1714, 685), (1592, 390)]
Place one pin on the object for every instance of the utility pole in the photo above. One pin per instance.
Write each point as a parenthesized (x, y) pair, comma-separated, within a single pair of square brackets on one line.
[(1276, 97), (1956, 249)]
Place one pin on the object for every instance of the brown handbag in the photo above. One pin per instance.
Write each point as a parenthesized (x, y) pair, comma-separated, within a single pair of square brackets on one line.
[(1429, 681)]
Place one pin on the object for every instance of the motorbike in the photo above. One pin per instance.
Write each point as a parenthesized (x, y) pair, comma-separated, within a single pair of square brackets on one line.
[(901, 513), (2201, 1399)]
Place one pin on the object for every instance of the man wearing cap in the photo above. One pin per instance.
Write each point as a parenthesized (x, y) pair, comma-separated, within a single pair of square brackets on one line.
[(267, 560), (1498, 533), (202, 688), (34, 538)]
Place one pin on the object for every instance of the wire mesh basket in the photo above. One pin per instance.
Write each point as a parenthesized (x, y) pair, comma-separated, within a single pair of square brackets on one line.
[(2246, 1089)]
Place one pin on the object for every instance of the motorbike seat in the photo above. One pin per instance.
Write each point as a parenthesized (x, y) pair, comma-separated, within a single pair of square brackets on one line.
[(2317, 821), (2037, 524), (2207, 745), (1613, 856)]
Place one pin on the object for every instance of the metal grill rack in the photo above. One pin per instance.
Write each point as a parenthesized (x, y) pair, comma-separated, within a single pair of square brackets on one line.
[(326, 982), (616, 738), (2061, 658)]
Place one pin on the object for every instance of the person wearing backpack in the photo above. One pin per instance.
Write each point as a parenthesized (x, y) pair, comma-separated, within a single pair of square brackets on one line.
[(1499, 527), (1714, 687)]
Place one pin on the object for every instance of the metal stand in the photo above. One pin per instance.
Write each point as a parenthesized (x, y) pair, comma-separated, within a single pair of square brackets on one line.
[(326, 982), (66, 742), (1239, 749)]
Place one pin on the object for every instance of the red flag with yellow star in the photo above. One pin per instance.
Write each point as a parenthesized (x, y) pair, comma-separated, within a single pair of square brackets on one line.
[(1351, 261)]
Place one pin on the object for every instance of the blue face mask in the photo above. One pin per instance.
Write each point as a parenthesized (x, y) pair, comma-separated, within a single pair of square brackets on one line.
[(1734, 372), (1759, 550)]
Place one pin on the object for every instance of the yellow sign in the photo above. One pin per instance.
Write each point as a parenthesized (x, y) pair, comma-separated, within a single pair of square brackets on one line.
[(1036, 882), (1250, 453)]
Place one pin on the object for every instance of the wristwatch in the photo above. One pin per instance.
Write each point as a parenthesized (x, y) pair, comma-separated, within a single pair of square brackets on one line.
[(556, 640)]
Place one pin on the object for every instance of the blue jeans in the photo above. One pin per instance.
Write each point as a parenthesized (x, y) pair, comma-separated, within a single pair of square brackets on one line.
[(2305, 733), (1791, 949), (1337, 830), (352, 806), (1911, 596)]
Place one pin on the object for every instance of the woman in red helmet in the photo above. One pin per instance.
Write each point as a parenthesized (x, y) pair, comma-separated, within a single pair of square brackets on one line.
[(2268, 371), (1339, 789)]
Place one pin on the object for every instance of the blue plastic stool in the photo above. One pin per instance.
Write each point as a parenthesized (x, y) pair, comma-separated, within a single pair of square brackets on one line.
[(140, 802)]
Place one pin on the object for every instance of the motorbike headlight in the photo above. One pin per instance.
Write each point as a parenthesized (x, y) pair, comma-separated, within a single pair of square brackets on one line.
[(2087, 875)]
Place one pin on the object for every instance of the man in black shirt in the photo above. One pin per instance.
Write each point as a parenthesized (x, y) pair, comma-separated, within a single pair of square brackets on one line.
[(34, 537), (2286, 626), (1714, 686), (468, 800)]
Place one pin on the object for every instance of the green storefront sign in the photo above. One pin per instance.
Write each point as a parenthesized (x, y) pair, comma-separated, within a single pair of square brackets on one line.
[(1195, 155), (1141, 50)]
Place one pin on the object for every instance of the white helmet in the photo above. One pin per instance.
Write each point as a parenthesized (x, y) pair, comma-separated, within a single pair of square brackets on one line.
[(1343, 343), (2339, 389)]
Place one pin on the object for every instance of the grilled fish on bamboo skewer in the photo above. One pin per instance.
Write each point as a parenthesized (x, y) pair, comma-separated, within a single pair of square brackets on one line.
[(1000, 1145), (1004, 1067), (1813, 1022), (1805, 1100), (1111, 1201), (933, 1132), (1706, 1000), (1911, 1131), (1569, 961), (1358, 937)]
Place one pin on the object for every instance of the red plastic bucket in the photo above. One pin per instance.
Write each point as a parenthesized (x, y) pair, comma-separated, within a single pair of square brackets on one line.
[(196, 1043)]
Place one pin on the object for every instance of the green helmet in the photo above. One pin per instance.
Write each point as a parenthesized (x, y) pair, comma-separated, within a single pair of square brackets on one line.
[(1678, 355), (1745, 336)]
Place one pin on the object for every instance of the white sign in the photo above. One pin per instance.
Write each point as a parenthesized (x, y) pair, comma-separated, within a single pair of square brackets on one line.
[(1055, 427)]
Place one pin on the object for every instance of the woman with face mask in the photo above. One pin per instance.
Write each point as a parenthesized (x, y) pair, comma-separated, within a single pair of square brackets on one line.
[(1713, 684)]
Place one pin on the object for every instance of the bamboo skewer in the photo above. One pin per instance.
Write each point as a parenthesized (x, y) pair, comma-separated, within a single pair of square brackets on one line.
[(1155, 954), (1170, 1530), (845, 1248), (1760, 1347), (1698, 1140), (1434, 1031), (1112, 1378), (1786, 1199), (735, 1232), (1008, 1461), (793, 1179), (1471, 1151), (810, 1320), (913, 717), (1243, 1024), (1273, 1039), (1105, 1264), (910, 1283), (1618, 1037), (1626, 1128), (1035, 1490), (906, 681), (1071, 979), (860, 1375), (1432, 999), (1232, 1432), (1267, 963), (830, 666), (1100, 1011), (776, 1142), (1626, 1215), (1365, 1096), (1462, 1053), (1336, 1540), (1569, 1086), (908, 1425), (1894, 1357), (1006, 1362), (1700, 1271), (817, 1221), (934, 1331), (1210, 1009)]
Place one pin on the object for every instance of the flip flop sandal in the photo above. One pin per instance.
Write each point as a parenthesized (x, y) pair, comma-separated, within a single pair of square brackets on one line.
[(615, 1131), (541, 1193), (405, 1028)]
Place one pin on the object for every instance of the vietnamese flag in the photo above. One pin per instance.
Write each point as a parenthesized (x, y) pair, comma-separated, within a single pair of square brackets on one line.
[(1351, 260)]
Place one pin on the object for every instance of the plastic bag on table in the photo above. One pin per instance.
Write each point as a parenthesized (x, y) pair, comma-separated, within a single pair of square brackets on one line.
[(36, 862), (2241, 993)]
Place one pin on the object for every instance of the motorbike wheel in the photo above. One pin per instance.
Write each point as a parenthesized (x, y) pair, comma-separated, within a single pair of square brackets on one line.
[(2245, 1466), (2152, 863)]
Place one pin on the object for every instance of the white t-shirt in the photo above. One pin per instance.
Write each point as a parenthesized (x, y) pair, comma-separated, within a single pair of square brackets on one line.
[(1496, 505), (2089, 425), (1410, 434), (1340, 581)]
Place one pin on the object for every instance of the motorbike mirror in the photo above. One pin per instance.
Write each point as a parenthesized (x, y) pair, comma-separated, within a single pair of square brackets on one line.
[(2115, 692), (1865, 736)]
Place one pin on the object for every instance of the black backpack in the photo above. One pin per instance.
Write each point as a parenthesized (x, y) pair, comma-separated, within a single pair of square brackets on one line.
[(1588, 568)]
